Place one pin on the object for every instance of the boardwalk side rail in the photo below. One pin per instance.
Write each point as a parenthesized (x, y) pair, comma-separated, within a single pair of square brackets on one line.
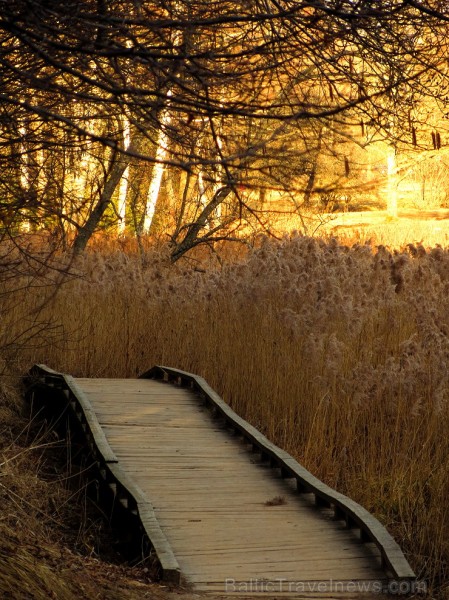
[(354, 515), (126, 495)]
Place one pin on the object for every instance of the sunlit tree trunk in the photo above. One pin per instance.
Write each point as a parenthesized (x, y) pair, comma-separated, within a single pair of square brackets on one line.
[(191, 238), (76, 184), (25, 182), (218, 184), (392, 183), (208, 189), (25, 171), (123, 187), (158, 169), (310, 185), (182, 209), (118, 165), (163, 140), (201, 187)]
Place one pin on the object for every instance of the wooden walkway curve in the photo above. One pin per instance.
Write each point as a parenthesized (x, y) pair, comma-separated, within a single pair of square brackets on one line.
[(224, 509)]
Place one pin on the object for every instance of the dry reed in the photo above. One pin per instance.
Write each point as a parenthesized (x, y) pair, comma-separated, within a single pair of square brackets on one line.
[(337, 354)]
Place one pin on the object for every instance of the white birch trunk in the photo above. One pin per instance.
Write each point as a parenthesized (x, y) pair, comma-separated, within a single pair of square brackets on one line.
[(123, 187), (41, 177), (216, 187), (25, 226), (161, 152), (24, 171), (201, 187), (158, 169)]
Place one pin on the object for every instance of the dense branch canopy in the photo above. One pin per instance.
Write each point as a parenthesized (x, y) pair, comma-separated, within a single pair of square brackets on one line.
[(229, 84)]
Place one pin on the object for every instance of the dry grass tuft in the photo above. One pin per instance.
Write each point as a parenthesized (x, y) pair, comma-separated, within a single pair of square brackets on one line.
[(51, 538), (26, 570), (34, 568), (338, 354)]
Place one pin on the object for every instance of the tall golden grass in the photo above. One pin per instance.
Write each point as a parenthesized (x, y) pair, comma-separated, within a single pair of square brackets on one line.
[(338, 354)]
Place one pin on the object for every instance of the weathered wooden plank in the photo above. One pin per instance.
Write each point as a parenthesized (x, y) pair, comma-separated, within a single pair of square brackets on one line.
[(281, 560), (314, 570)]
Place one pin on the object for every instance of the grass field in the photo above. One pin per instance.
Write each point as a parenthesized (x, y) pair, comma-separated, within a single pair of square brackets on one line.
[(426, 227), (338, 354)]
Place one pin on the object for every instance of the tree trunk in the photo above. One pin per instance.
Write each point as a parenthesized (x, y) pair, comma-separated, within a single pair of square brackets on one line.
[(312, 175), (123, 189), (118, 168), (392, 183), (121, 205), (158, 171), (191, 238)]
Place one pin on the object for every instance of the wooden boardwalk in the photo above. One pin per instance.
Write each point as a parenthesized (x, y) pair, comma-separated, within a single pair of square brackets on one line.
[(230, 516)]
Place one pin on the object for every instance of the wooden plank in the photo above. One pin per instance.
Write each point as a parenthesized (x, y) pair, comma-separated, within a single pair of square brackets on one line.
[(282, 555), (314, 570)]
